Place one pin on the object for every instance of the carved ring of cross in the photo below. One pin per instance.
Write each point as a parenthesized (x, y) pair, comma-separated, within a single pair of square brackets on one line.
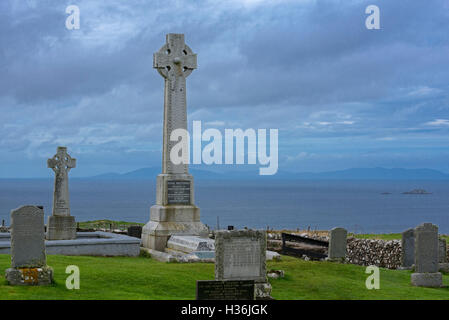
[(169, 63)]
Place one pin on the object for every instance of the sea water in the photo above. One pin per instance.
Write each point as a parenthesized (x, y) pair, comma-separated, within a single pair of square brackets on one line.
[(357, 205)]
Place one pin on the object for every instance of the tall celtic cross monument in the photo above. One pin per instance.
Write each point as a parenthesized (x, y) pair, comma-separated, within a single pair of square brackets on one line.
[(174, 212), (61, 225)]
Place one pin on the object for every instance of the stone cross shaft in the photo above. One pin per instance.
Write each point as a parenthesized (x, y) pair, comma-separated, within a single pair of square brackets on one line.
[(175, 61), (61, 163)]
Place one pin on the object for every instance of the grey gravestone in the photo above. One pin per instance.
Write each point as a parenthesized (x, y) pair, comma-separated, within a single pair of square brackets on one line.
[(442, 251), (175, 212), (28, 260), (61, 225), (408, 248), (241, 255), (443, 265), (225, 290), (337, 244), (426, 257)]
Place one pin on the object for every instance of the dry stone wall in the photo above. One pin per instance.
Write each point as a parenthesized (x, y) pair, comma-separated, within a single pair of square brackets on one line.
[(365, 252), (381, 253)]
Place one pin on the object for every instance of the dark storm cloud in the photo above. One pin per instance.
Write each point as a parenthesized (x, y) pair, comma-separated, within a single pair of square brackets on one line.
[(309, 68)]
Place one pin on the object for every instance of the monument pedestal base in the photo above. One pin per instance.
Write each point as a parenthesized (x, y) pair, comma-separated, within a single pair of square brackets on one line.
[(61, 228), (29, 276), (169, 220), (432, 280)]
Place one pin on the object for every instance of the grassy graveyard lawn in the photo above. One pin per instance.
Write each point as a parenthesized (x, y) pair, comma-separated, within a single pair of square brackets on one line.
[(105, 278), (95, 224)]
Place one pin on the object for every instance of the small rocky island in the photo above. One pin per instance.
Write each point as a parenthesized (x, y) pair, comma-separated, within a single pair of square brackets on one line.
[(417, 191)]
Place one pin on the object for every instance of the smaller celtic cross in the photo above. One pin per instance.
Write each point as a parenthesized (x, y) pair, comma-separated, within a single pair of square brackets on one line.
[(61, 163)]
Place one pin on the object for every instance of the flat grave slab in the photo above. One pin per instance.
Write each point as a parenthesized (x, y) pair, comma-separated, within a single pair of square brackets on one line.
[(96, 243)]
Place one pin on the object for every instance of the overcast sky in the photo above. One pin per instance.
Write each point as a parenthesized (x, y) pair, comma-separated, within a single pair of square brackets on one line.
[(341, 95)]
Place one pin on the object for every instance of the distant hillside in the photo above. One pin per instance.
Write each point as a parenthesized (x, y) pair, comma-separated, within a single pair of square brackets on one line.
[(151, 173), (378, 173), (239, 174)]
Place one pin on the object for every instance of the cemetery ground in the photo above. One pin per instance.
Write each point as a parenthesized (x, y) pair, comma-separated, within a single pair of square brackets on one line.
[(104, 278), (107, 224)]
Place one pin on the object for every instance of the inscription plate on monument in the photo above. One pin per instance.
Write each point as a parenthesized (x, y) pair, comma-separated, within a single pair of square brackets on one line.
[(178, 192), (225, 290)]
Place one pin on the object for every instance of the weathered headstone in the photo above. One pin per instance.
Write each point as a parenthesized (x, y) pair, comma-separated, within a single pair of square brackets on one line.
[(225, 290), (28, 260), (426, 257), (241, 255), (442, 251), (443, 265), (174, 211), (337, 244), (61, 225), (408, 249)]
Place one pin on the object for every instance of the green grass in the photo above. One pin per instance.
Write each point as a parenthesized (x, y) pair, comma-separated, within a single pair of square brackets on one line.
[(97, 224), (387, 236), (144, 278)]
